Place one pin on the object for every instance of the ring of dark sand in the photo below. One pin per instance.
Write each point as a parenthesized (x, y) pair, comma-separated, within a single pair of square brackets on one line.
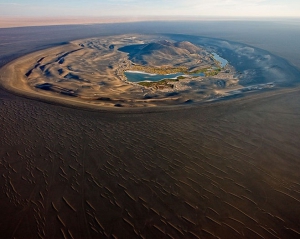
[(114, 92)]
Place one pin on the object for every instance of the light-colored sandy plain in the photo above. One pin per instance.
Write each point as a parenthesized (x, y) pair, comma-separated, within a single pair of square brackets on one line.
[(8, 22), (90, 73)]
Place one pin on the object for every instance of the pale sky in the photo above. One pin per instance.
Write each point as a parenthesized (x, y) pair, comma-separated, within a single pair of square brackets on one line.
[(103, 8)]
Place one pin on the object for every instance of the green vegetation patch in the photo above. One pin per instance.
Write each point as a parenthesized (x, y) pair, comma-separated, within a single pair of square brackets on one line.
[(159, 70), (158, 84), (203, 70), (207, 71), (181, 77)]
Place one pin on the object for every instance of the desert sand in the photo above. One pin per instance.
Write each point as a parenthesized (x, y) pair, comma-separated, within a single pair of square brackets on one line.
[(9, 22), (224, 170), (90, 73), (227, 170)]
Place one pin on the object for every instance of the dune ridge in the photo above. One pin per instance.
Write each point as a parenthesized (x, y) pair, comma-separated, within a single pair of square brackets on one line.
[(91, 73)]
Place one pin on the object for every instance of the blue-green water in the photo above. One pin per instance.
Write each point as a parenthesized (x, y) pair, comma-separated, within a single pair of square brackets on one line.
[(220, 59), (137, 76)]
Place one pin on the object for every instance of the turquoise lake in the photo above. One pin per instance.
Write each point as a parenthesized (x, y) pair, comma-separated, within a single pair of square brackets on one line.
[(220, 59), (137, 76)]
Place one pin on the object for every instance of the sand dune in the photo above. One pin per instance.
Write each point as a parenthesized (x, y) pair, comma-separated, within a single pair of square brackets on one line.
[(90, 73)]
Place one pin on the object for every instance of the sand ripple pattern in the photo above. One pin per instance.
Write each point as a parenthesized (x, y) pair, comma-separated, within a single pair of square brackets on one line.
[(210, 172)]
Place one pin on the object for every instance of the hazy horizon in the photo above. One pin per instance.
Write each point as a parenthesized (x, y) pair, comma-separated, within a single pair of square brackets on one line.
[(38, 13), (132, 8), (9, 21)]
